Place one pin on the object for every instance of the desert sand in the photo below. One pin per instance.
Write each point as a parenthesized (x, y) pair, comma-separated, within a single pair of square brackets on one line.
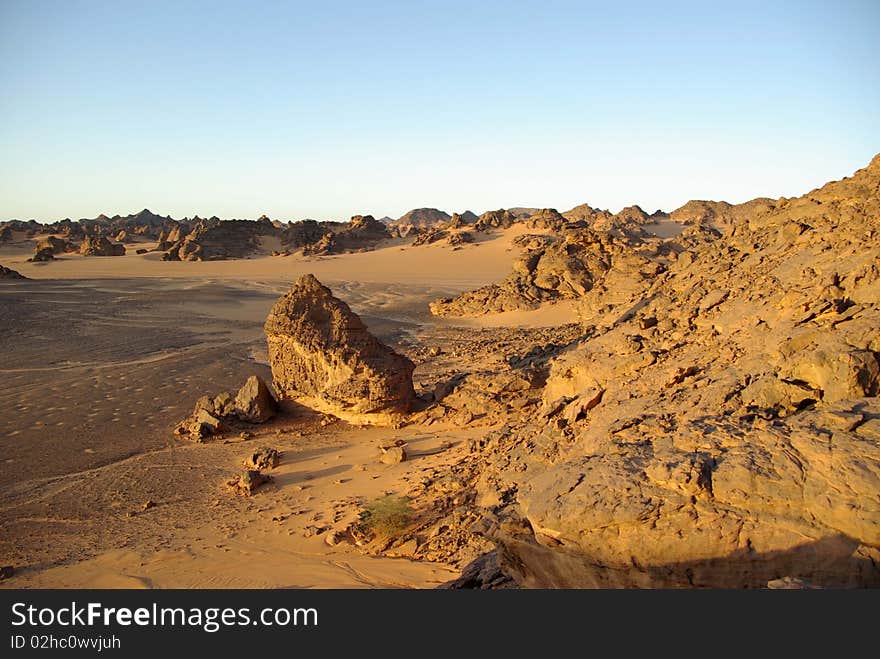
[(103, 355)]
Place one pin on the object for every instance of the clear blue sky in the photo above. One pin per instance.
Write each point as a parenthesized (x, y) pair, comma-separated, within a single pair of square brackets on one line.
[(329, 109)]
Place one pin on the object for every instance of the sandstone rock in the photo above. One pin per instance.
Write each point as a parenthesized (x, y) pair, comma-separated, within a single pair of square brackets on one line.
[(254, 403), (262, 458), (100, 246), (393, 455), (790, 583), (43, 255), (565, 269), (55, 244), (419, 218), (362, 232), (838, 372), (735, 445), (247, 482), (321, 353), (483, 573), (224, 404)]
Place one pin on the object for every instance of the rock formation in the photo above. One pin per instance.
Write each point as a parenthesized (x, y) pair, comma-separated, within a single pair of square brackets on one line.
[(253, 403), (719, 214), (718, 424), (100, 246), (9, 273), (247, 482), (262, 458), (419, 218), (567, 268), (500, 219), (49, 246), (213, 240), (322, 354), (362, 232)]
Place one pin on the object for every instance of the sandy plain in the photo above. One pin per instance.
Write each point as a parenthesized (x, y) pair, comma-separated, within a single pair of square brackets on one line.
[(103, 355)]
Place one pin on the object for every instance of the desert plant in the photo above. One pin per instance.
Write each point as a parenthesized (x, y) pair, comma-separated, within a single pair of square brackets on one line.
[(387, 517)]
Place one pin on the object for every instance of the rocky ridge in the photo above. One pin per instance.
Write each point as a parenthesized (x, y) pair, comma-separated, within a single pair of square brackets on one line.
[(715, 426)]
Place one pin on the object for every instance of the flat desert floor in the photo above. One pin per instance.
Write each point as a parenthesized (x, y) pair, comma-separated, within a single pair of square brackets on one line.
[(102, 356)]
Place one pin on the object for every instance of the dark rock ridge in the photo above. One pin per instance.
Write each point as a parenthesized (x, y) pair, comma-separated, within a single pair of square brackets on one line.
[(9, 273), (362, 232), (213, 239), (322, 354)]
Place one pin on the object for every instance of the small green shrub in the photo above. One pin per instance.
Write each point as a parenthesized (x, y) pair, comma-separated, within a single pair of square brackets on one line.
[(387, 517)]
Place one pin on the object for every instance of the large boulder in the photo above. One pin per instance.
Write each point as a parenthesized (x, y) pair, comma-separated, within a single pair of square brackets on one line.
[(322, 354)]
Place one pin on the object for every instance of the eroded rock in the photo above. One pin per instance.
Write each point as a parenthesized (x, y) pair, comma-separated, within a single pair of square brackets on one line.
[(322, 354)]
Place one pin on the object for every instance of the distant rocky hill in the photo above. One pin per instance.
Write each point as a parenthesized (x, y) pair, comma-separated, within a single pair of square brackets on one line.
[(418, 219), (719, 214)]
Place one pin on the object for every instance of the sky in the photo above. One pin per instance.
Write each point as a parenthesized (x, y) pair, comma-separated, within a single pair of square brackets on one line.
[(330, 109)]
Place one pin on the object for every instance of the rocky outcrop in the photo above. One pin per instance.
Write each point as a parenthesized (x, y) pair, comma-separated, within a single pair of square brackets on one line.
[(215, 240), (461, 220), (361, 233), (547, 218), (170, 236), (720, 215), (42, 255), (54, 245), (419, 218), (322, 354), (718, 425), (9, 273), (500, 219), (567, 268), (304, 233), (587, 214), (450, 236), (100, 246), (262, 458)]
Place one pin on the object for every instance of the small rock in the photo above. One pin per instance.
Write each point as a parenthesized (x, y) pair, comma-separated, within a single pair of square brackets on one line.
[(262, 458), (254, 403), (247, 482), (393, 455), (149, 503)]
